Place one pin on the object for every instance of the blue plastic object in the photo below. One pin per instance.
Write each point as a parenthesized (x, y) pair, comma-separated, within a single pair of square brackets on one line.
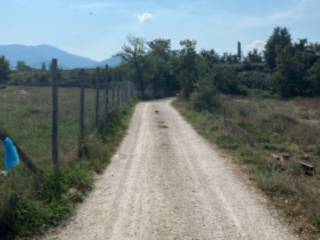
[(11, 154)]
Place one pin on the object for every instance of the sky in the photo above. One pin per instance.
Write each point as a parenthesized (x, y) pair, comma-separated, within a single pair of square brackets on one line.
[(98, 28)]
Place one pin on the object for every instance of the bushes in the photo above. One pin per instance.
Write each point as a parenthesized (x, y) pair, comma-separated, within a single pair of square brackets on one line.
[(30, 214), (206, 91), (205, 97), (255, 80), (74, 176), (4, 70), (313, 79), (225, 79)]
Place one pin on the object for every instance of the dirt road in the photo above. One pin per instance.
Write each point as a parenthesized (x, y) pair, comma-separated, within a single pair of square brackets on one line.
[(166, 182)]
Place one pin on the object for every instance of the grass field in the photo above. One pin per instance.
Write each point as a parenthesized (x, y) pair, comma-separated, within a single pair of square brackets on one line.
[(258, 132), (26, 114), (28, 206)]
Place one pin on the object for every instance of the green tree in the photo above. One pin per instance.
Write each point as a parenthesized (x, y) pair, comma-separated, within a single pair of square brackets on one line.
[(288, 79), (4, 70), (133, 54), (226, 80), (23, 67), (254, 56), (43, 67), (159, 61), (210, 56), (205, 96), (187, 75), (313, 79), (279, 40)]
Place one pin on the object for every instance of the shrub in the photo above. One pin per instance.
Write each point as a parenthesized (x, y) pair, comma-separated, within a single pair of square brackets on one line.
[(255, 80), (226, 80), (205, 97)]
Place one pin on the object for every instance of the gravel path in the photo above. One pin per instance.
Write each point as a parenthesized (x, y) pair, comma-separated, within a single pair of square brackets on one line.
[(167, 182)]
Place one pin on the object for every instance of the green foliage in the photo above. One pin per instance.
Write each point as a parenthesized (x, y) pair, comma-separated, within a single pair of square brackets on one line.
[(288, 78), (205, 96), (296, 65), (24, 216), (210, 56), (4, 70), (286, 68), (28, 215), (187, 73), (53, 187), (160, 77), (279, 39), (133, 54), (22, 66), (255, 80), (226, 80), (254, 57), (313, 79)]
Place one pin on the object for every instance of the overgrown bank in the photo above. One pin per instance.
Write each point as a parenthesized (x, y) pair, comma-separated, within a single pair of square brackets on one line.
[(269, 138), (47, 204)]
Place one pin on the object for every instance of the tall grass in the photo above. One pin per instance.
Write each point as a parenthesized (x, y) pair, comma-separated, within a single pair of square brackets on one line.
[(28, 205), (256, 130)]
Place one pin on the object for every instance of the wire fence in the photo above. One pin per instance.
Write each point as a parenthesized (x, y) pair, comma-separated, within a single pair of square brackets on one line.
[(51, 124)]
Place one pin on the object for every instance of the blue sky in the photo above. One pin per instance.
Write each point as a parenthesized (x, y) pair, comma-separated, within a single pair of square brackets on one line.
[(98, 28)]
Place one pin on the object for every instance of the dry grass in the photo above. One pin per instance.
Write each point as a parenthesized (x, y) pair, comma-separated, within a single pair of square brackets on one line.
[(25, 112), (259, 129)]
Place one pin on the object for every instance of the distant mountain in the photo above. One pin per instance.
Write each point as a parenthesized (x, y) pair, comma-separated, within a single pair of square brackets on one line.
[(112, 62), (35, 56)]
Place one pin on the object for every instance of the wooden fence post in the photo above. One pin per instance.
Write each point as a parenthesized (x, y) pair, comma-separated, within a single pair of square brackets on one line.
[(82, 112), (120, 90), (107, 89), (126, 92), (55, 115), (112, 92), (97, 115), (129, 89), (118, 95)]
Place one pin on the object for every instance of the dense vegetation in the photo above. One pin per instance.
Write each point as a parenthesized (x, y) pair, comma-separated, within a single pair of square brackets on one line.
[(285, 68)]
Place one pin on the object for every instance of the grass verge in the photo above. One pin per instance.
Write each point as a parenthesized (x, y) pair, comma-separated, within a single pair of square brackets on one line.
[(258, 132), (50, 200)]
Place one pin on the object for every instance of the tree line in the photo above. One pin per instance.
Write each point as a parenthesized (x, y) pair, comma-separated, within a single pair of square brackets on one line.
[(285, 68)]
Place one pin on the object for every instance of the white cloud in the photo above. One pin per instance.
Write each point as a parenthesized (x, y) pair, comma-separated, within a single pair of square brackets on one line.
[(256, 44), (145, 17)]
